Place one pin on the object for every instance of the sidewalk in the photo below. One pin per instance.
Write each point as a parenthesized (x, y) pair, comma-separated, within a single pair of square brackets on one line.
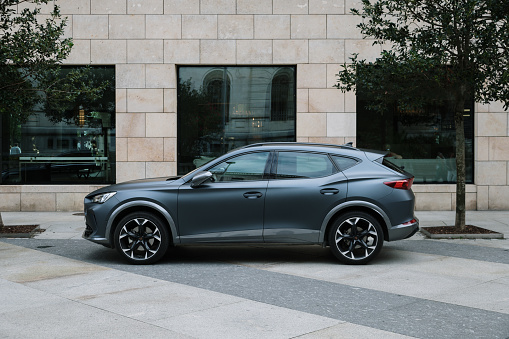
[(60, 286)]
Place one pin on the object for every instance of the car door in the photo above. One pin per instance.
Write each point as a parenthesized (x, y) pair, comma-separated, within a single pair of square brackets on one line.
[(305, 187), (229, 209)]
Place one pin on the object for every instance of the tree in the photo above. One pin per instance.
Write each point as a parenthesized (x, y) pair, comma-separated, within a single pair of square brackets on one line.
[(440, 50), (32, 49)]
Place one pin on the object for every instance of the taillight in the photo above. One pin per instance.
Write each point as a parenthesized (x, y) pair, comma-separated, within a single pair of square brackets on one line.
[(404, 184)]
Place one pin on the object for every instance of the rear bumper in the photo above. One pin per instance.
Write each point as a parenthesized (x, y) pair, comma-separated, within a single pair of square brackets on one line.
[(403, 231)]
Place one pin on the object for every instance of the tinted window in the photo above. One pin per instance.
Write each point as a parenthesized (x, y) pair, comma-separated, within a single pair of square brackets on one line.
[(344, 163), (244, 167), (291, 165)]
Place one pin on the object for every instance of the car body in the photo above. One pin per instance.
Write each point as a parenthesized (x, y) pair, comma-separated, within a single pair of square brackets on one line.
[(283, 193)]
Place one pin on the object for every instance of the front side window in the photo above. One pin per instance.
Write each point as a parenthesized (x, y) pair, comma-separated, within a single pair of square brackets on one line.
[(76, 146), (223, 108), (242, 168), (299, 165), (422, 141)]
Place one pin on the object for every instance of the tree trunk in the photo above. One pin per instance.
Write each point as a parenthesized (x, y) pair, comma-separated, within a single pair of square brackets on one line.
[(1, 221), (460, 161)]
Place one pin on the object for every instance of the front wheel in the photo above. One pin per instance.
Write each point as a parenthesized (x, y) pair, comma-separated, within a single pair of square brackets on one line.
[(356, 238), (141, 238)]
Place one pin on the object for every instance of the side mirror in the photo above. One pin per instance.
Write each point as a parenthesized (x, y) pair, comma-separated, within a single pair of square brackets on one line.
[(200, 178)]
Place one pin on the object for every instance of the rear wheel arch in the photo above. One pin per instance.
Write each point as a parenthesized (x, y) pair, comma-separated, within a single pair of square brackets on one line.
[(354, 208)]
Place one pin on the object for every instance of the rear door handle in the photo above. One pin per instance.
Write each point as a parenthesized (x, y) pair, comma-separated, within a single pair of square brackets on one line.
[(329, 191), (252, 195)]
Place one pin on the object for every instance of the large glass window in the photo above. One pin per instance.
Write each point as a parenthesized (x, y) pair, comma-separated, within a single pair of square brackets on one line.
[(422, 141), (76, 146), (222, 108)]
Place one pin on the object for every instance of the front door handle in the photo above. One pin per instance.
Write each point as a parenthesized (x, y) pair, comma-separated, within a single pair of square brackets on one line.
[(252, 195), (329, 191)]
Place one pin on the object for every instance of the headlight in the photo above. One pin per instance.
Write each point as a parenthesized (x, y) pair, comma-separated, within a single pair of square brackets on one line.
[(102, 198)]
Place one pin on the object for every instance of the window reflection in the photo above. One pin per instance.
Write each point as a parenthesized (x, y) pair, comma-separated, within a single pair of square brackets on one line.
[(222, 108), (73, 147)]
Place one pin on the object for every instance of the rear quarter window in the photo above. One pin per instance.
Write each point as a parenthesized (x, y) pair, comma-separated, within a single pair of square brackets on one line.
[(344, 163), (392, 166)]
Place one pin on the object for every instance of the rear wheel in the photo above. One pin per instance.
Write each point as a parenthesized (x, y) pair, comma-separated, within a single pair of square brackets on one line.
[(356, 238), (141, 238)]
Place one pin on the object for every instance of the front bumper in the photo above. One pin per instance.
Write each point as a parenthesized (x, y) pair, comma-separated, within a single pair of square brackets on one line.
[(403, 231)]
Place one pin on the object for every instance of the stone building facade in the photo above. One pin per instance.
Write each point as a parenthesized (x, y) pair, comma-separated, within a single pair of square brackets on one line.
[(146, 40)]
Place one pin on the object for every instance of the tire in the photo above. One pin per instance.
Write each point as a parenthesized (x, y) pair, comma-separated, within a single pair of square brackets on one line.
[(356, 238), (141, 238)]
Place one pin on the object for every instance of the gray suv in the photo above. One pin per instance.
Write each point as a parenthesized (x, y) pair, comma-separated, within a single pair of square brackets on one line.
[(288, 193)]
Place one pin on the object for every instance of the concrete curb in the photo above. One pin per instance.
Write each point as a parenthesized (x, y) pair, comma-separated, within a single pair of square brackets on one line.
[(462, 236)]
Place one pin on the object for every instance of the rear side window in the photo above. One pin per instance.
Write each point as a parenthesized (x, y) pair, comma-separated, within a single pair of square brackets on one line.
[(300, 165), (344, 163)]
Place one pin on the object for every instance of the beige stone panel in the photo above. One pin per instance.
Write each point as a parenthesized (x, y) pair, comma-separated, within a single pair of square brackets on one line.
[(145, 149), (328, 140), (302, 139), (164, 26), (108, 51), (272, 26), (343, 27), (364, 48), (73, 6), (120, 100), (482, 198), (130, 76), (254, 6), (80, 53), (350, 102), (127, 171), (11, 188), (235, 27), (181, 51), (145, 100), (170, 149), (130, 125), (181, 6), (352, 4), (218, 51), (326, 51), (170, 100), (258, 52), (481, 108), (326, 7), (308, 26), (108, 6), (199, 27), (311, 125), (497, 106), (70, 202), (127, 27), (499, 148), (38, 202), (498, 197), (290, 6), (160, 169), (441, 188), (162, 125), (326, 100), (491, 124), (145, 6), (121, 149), (482, 147), (54, 188), (160, 76), (290, 51), (44, 8), (90, 26), (341, 125), (433, 201), (311, 75), (302, 100), (332, 71), (145, 51), (10, 202), (217, 6), (491, 173)]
